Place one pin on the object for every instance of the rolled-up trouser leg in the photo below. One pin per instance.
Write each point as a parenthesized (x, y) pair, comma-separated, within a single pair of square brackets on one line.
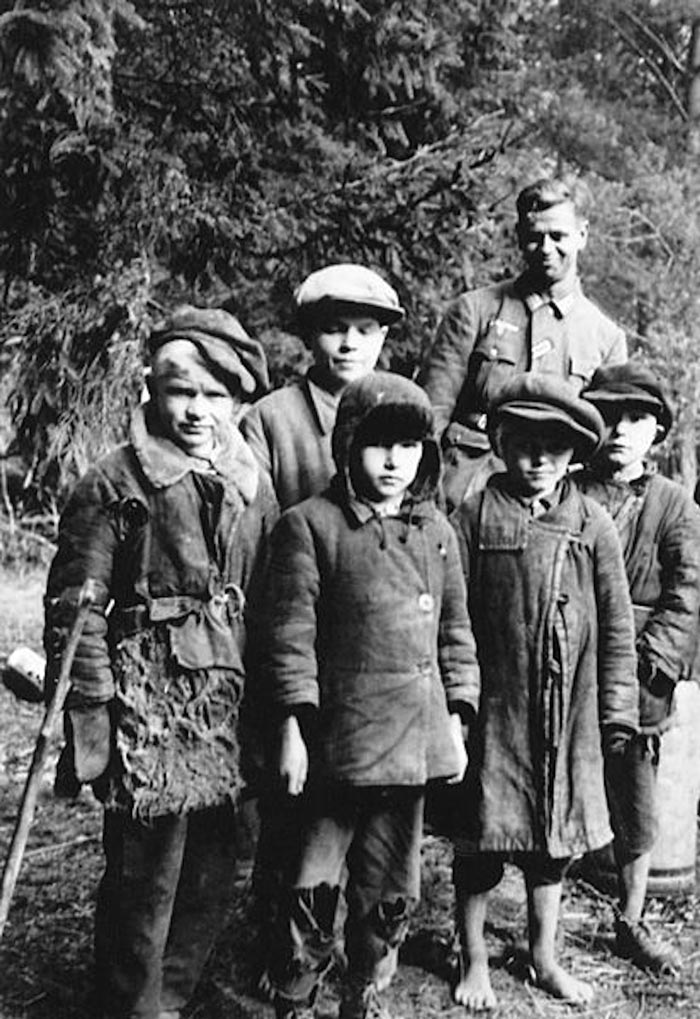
[(307, 942)]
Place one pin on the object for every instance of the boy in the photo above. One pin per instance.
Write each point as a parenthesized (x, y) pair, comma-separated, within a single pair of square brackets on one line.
[(555, 642), (170, 526), (343, 314), (371, 668), (659, 528)]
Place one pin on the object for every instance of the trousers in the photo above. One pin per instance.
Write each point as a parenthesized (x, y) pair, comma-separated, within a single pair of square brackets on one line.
[(164, 897)]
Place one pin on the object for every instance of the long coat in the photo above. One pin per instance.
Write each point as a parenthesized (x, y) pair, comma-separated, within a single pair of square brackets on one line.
[(368, 622), (554, 629), (175, 554)]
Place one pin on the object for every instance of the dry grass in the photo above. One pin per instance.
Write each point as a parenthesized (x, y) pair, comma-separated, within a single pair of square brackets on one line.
[(46, 950)]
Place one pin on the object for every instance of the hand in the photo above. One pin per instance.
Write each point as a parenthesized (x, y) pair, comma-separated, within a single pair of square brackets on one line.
[(294, 757), (460, 749), (90, 729)]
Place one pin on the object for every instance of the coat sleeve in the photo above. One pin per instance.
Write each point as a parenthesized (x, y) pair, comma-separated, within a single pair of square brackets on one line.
[(617, 354), (88, 539), (618, 687), (456, 645), (669, 637), (291, 605), (252, 428), (445, 370)]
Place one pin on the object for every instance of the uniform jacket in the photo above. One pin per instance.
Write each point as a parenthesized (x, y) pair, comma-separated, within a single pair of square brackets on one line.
[(490, 333), (289, 431), (369, 626), (175, 555), (659, 527), (554, 631)]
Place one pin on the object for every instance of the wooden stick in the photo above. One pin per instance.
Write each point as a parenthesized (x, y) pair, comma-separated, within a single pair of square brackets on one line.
[(25, 817)]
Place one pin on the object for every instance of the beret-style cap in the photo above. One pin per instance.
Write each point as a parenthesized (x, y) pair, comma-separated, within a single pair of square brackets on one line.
[(221, 341), (350, 286), (631, 385), (546, 399)]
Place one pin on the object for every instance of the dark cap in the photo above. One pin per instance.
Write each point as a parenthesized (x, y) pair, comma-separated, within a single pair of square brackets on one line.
[(223, 344), (545, 399), (631, 385)]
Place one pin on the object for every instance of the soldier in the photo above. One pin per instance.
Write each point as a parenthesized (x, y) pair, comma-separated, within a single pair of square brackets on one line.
[(540, 322)]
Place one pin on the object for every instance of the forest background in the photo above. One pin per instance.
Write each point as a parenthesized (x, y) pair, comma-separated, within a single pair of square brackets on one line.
[(216, 152)]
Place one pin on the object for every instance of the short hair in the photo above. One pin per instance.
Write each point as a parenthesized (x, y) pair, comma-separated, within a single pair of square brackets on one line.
[(550, 191)]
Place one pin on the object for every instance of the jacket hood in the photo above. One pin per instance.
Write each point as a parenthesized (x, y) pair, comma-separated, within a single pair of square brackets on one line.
[(384, 406)]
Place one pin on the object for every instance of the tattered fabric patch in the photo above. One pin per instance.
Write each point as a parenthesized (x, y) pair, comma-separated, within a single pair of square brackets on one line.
[(176, 737)]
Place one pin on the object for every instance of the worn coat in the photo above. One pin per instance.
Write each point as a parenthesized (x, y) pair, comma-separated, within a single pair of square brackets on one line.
[(289, 431), (369, 627), (555, 639), (175, 554), (659, 527)]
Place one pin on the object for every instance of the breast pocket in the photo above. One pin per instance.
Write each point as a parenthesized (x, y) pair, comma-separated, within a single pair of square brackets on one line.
[(497, 354)]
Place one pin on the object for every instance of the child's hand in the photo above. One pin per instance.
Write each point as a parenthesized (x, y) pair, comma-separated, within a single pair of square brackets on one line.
[(294, 757), (460, 749)]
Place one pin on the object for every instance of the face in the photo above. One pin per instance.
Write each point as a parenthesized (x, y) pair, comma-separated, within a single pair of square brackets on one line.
[(192, 404), (388, 471), (347, 348), (536, 459), (630, 434), (551, 241)]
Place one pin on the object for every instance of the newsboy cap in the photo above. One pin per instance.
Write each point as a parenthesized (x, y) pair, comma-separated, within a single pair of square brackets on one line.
[(546, 399), (631, 385), (350, 287), (222, 342)]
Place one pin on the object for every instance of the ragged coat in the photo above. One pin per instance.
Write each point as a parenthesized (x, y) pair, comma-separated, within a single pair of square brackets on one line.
[(176, 555), (369, 627), (554, 630)]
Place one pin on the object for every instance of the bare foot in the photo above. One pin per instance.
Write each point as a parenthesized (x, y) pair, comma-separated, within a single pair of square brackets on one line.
[(560, 984), (473, 989), (385, 969)]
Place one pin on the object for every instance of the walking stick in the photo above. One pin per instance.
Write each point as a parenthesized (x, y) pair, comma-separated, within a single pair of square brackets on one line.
[(26, 811)]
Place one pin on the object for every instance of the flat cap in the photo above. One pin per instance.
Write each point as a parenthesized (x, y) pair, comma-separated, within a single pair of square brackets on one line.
[(547, 399), (221, 341), (350, 286), (631, 385)]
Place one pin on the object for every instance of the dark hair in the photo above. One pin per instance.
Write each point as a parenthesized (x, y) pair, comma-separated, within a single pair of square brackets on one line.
[(550, 191)]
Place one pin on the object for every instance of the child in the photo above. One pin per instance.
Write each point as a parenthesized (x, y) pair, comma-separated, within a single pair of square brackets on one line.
[(343, 312), (659, 527), (170, 526), (555, 641), (371, 667)]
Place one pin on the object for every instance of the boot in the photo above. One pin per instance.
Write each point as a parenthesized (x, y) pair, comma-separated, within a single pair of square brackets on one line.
[(635, 941)]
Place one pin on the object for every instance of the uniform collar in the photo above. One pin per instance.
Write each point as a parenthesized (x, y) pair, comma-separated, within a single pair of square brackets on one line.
[(165, 464), (560, 299)]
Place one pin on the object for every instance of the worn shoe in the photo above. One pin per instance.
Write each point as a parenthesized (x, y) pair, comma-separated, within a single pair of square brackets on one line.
[(635, 941), (360, 1000)]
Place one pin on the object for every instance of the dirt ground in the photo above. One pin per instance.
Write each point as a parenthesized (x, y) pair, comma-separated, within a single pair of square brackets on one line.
[(45, 954)]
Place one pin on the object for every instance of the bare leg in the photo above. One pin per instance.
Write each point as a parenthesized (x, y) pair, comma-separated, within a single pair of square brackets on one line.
[(543, 900), (473, 989)]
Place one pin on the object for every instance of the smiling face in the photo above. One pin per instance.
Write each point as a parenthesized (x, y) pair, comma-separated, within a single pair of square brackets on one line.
[(346, 348), (385, 473), (536, 455), (550, 241), (192, 404), (630, 433)]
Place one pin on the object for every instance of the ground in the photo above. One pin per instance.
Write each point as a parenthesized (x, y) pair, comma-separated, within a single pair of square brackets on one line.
[(45, 953)]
